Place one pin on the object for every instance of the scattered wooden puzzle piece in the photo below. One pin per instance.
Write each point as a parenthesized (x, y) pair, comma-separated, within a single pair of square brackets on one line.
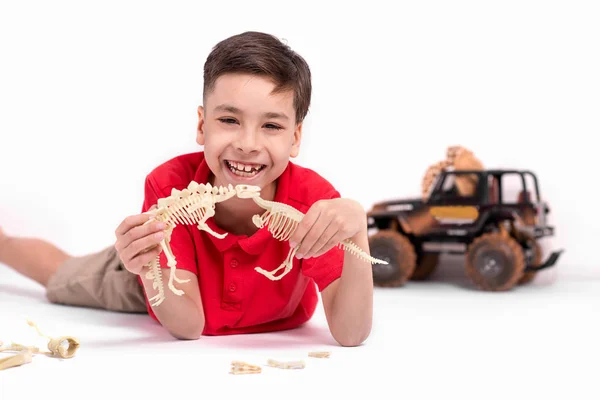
[(241, 368), (287, 364), (23, 357), (59, 347), (319, 354)]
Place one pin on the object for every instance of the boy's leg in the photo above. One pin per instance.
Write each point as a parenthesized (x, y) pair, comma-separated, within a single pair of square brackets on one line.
[(35, 258), (96, 280)]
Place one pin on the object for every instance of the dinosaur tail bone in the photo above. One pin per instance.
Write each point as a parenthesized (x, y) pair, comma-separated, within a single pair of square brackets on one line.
[(353, 249), (155, 273)]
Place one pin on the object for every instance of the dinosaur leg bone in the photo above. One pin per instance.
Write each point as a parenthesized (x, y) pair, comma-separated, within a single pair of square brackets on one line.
[(258, 221), (287, 265), (203, 226), (172, 263)]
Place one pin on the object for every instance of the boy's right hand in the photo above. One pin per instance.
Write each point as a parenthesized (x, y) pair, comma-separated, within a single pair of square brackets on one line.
[(138, 244)]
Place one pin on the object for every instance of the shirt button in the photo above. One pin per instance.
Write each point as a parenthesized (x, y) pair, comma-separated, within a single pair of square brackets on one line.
[(232, 287), (234, 263)]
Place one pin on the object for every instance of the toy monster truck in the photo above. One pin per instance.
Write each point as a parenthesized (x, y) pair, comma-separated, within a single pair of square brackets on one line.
[(499, 237)]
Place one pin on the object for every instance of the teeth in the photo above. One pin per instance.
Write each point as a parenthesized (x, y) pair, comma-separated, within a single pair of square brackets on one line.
[(244, 169)]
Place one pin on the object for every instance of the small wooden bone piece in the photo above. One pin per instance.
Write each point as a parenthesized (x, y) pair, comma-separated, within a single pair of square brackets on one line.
[(25, 353), (23, 357), (241, 368), (57, 345), (286, 364), (319, 354)]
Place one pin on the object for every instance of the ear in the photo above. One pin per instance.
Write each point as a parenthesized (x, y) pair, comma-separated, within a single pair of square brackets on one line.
[(200, 130), (295, 150)]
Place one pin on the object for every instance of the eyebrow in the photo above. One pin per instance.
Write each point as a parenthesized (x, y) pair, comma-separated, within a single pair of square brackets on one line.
[(228, 108), (235, 110)]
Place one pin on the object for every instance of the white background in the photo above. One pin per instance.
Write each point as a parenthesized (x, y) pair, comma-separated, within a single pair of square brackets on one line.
[(95, 95)]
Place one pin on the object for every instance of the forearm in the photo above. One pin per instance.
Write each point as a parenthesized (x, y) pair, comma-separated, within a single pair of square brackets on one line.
[(182, 316), (352, 305)]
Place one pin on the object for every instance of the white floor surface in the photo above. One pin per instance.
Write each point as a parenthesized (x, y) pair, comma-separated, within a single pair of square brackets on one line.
[(431, 340)]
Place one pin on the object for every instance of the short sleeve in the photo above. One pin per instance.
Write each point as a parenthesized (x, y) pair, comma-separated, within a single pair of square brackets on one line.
[(181, 241), (327, 267)]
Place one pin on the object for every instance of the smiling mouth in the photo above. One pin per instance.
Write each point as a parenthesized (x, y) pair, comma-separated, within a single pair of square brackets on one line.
[(244, 170)]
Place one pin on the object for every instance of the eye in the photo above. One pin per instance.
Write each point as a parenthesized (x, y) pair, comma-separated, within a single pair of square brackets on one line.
[(228, 121), (273, 127)]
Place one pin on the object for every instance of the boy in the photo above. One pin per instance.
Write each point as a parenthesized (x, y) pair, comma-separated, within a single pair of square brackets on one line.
[(256, 95)]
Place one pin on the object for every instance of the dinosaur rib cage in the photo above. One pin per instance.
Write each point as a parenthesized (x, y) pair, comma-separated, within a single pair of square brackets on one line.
[(279, 225), (188, 211)]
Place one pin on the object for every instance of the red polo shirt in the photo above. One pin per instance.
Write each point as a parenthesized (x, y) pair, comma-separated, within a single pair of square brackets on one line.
[(236, 298)]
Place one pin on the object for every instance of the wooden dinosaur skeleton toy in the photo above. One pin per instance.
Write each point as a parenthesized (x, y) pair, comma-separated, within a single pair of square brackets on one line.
[(196, 204), (193, 205), (282, 220)]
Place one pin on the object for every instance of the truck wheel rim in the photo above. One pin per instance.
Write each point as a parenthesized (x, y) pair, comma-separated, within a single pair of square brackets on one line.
[(491, 264)]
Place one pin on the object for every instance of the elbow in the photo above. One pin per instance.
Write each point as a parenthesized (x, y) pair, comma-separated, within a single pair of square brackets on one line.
[(351, 341), (352, 338), (188, 332), (191, 336), (189, 328)]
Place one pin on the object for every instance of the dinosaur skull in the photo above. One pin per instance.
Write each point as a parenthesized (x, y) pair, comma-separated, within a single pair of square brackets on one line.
[(247, 191)]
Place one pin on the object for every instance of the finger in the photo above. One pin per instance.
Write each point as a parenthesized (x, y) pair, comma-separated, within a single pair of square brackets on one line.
[(137, 264), (331, 243), (325, 238), (304, 226), (126, 239), (141, 245), (131, 222), (312, 236)]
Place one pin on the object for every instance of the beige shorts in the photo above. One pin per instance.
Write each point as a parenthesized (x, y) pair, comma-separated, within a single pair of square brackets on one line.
[(97, 280)]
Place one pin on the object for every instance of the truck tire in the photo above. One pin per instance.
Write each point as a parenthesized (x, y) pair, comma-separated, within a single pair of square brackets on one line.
[(426, 265), (495, 262), (398, 251)]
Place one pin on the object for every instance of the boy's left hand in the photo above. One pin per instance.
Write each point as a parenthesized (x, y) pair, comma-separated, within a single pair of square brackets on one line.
[(327, 223)]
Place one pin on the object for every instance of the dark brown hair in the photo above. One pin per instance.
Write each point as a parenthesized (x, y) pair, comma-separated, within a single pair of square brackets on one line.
[(265, 55)]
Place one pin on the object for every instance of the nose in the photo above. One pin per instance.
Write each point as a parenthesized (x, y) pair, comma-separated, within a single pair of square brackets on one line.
[(248, 141)]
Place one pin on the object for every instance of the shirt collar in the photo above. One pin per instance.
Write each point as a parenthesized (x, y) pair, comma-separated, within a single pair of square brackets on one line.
[(256, 243)]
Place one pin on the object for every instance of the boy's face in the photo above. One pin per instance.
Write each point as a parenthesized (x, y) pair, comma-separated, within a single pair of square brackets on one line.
[(248, 132)]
